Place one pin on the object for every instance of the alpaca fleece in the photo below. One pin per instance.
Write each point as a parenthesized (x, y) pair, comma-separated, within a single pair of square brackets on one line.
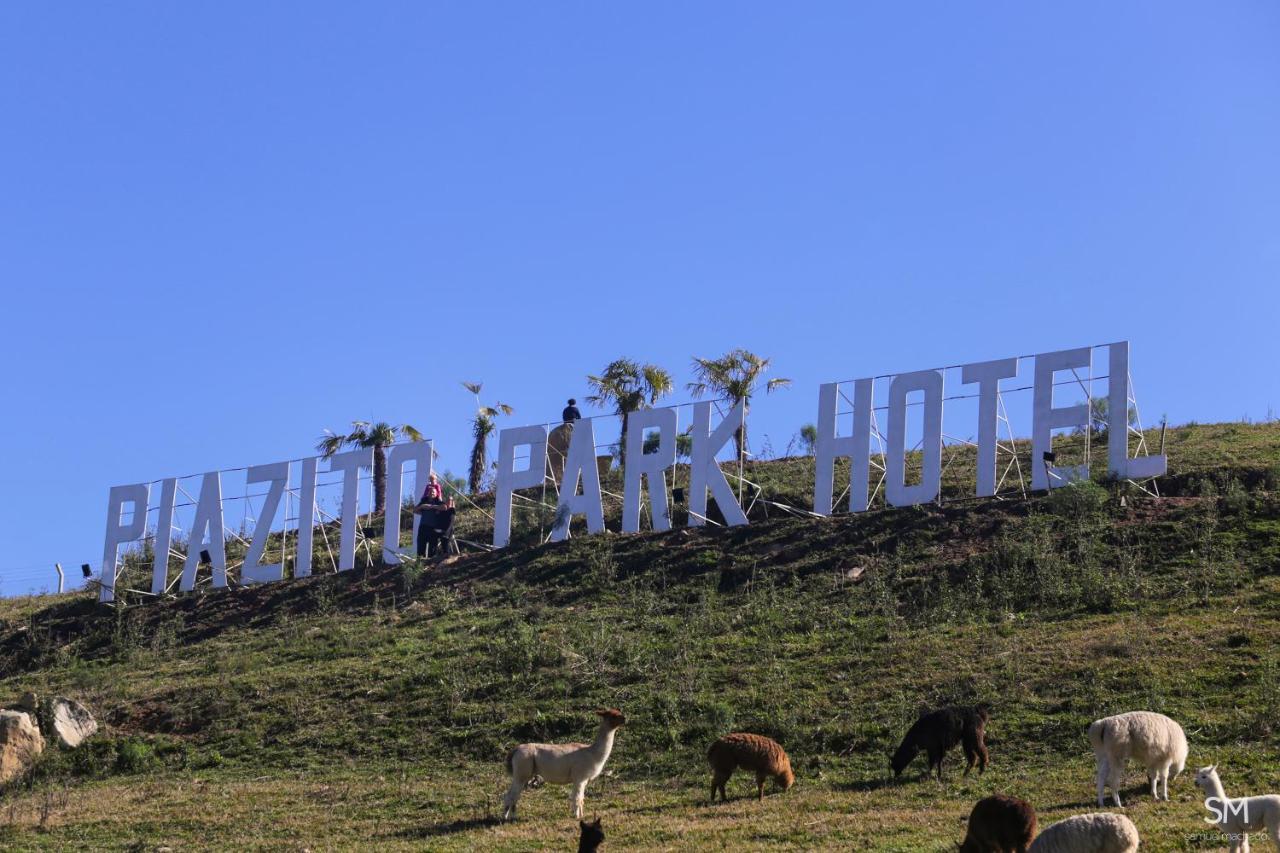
[(1100, 832), (939, 731), (1000, 824), (1152, 739), (757, 753)]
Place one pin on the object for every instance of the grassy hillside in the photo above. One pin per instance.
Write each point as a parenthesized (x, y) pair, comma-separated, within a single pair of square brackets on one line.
[(374, 708)]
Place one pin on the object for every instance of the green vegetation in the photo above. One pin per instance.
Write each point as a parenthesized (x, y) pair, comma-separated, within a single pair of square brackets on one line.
[(374, 708)]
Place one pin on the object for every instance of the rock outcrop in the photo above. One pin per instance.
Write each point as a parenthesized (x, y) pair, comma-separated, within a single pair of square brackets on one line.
[(20, 744)]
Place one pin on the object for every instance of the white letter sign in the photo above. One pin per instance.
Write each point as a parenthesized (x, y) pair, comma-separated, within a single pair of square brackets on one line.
[(509, 479), (580, 465), (897, 493), (208, 519), (1045, 418), (705, 473), (856, 448), (988, 375), (649, 465), (118, 533)]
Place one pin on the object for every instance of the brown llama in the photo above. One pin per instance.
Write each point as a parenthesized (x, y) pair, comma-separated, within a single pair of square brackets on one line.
[(758, 753), (1000, 824)]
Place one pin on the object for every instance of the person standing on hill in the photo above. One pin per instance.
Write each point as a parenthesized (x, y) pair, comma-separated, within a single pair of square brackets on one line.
[(436, 518), (571, 413)]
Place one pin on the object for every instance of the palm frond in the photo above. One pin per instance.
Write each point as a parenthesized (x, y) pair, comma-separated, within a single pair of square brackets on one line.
[(776, 383), (473, 387), (410, 432), (330, 443), (505, 409)]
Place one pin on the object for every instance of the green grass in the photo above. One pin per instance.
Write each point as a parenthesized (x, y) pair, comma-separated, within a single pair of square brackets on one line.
[(373, 709)]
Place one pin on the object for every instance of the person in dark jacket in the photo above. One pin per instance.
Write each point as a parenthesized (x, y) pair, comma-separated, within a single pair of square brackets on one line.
[(437, 518), (571, 413)]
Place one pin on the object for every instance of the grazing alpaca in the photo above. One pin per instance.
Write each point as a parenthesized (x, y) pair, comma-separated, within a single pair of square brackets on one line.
[(750, 752), (939, 731), (1152, 739), (561, 763), (1000, 824), (1237, 818), (1099, 832), (591, 837)]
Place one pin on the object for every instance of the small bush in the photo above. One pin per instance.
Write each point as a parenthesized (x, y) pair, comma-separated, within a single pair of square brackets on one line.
[(134, 756)]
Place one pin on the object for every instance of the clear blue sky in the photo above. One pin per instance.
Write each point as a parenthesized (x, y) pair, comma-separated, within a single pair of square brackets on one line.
[(226, 226)]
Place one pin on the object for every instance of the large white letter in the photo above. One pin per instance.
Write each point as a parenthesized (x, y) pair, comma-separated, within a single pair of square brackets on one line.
[(897, 493), (306, 517), (509, 479), (988, 375), (580, 464), (419, 452), (118, 533), (349, 464), (654, 465), (208, 519), (277, 474), (1045, 418), (705, 472), (1121, 466), (856, 447), (164, 537)]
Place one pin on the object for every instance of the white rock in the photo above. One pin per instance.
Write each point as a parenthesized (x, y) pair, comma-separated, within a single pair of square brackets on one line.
[(72, 722)]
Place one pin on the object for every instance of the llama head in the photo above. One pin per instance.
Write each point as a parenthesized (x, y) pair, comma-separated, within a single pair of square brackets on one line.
[(786, 778), (902, 758), (611, 717), (1207, 778), (592, 833), (983, 710)]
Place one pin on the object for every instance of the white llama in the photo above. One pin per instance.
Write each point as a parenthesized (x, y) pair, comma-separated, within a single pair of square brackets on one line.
[(561, 763), (1237, 818)]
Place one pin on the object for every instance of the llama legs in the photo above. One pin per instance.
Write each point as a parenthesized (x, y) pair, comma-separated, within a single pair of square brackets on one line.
[(1104, 771), (717, 782), (579, 792), (510, 798), (1115, 776)]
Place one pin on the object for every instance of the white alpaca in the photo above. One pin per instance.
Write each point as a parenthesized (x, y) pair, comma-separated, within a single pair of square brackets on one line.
[(1152, 739), (1100, 832), (561, 763), (1237, 818)]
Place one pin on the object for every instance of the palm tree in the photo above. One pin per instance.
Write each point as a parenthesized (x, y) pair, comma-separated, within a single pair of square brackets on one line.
[(482, 426), (378, 436), (734, 375), (628, 386)]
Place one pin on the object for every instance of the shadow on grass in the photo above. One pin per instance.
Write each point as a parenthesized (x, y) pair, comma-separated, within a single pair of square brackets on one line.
[(451, 828), (1127, 794), (871, 784)]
